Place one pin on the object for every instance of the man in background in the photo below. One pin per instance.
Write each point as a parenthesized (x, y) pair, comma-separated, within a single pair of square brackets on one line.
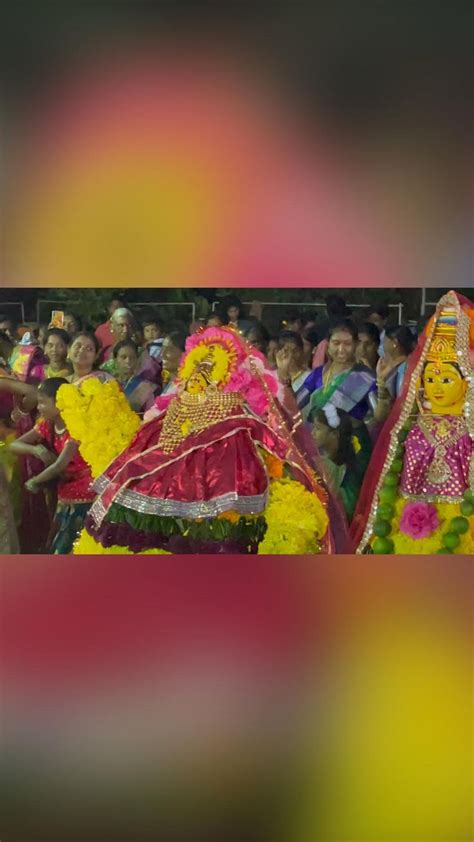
[(104, 332)]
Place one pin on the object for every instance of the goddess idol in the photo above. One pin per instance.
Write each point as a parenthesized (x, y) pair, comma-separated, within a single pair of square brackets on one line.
[(216, 467), (421, 499)]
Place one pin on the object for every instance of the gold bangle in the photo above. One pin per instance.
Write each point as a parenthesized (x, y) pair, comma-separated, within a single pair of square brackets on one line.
[(23, 414)]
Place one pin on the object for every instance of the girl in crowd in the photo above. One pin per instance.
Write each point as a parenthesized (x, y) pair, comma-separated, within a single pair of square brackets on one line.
[(41, 334), (258, 336), (234, 314), (368, 345), (398, 344), (290, 360), (139, 391), (72, 324), (339, 448), (50, 442), (153, 335), (56, 350), (37, 512)]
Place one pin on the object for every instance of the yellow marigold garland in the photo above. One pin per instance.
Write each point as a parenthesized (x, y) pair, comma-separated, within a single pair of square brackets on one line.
[(296, 520), (99, 417)]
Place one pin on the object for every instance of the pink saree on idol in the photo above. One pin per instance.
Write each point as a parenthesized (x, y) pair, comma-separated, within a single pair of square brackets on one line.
[(418, 497), (219, 467)]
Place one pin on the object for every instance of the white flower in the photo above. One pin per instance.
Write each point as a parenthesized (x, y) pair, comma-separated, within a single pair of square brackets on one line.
[(332, 416)]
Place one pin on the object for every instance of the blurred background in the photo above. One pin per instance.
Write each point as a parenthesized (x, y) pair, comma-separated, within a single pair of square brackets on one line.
[(237, 144), (192, 145)]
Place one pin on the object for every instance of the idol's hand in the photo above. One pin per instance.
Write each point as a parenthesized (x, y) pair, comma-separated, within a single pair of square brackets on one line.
[(32, 486)]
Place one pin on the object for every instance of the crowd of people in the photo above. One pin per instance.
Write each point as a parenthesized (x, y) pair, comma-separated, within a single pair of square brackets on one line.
[(341, 375)]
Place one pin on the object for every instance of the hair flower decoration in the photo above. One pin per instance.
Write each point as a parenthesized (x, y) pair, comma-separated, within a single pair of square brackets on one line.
[(332, 416)]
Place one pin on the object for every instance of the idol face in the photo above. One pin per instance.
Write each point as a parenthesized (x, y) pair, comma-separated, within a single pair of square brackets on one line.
[(445, 388), (202, 375)]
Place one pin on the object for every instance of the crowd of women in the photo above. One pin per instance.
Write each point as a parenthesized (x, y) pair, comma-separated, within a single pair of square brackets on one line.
[(343, 376)]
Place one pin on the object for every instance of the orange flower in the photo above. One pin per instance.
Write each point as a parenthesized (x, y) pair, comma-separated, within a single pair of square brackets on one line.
[(274, 466), (233, 517)]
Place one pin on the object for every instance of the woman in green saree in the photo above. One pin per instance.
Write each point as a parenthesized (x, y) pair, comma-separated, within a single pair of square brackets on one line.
[(342, 383)]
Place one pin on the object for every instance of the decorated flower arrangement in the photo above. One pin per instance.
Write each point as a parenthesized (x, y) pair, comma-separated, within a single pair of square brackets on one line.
[(99, 417), (213, 474)]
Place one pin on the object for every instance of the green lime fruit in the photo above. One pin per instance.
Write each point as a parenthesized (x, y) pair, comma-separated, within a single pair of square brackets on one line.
[(467, 508), (400, 450), (396, 466), (383, 546), (402, 435), (444, 551), (469, 495), (390, 480), (382, 528), (385, 511), (459, 525), (451, 540), (388, 494)]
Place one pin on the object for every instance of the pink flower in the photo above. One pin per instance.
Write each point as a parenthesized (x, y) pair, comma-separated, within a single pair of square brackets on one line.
[(257, 400), (162, 402), (240, 381), (419, 520)]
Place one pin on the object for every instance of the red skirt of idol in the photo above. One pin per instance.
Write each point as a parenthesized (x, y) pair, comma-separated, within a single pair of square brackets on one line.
[(213, 471)]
